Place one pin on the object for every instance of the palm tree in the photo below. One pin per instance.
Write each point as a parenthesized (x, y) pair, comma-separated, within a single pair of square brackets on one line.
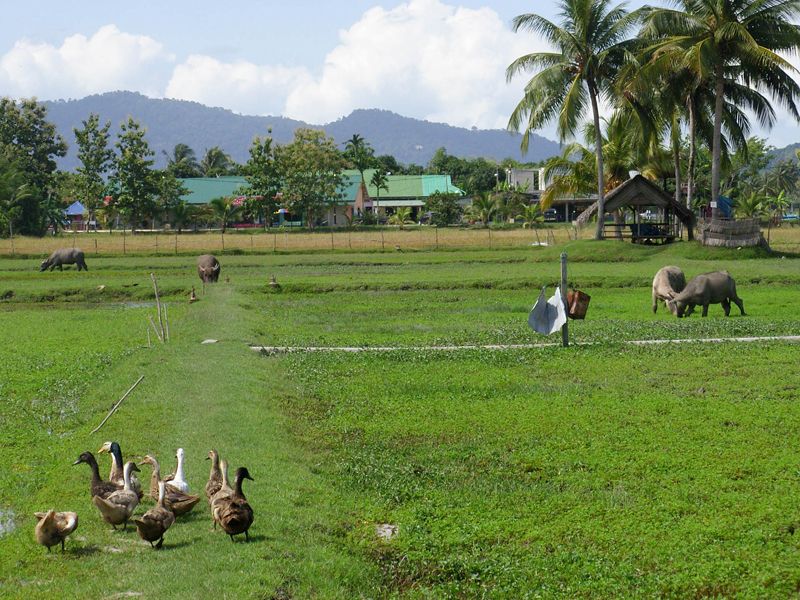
[(182, 162), (225, 210), (360, 153), (750, 207), (724, 41), (380, 182), (215, 162), (532, 216), (401, 216), (592, 45), (484, 208)]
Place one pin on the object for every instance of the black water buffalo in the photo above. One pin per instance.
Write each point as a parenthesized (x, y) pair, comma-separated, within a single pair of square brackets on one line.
[(208, 268), (709, 288), (64, 256)]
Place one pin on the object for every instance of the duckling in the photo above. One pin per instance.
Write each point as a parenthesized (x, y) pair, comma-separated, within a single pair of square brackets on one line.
[(116, 475), (234, 514), (174, 499), (53, 527), (214, 477), (176, 479), (153, 524), (119, 506), (225, 491), (98, 486)]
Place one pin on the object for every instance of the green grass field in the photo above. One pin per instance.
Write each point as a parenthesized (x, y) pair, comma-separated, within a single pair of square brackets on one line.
[(601, 470)]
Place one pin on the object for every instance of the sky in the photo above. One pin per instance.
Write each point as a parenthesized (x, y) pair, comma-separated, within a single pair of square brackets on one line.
[(313, 60)]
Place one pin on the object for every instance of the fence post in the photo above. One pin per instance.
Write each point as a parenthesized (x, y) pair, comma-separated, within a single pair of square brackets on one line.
[(176, 244), (564, 327), (95, 246)]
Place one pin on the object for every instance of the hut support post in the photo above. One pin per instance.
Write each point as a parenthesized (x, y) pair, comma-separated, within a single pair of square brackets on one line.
[(565, 326)]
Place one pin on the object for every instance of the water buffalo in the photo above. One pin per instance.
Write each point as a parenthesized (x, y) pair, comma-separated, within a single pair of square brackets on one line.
[(64, 256), (208, 268), (709, 288), (668, 282)]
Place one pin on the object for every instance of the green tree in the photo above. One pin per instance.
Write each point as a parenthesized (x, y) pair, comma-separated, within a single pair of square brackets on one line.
[(532, 216), (401, 217), (13, 190), (591, 46), (312, 168), (360, 154), (169, 191), (484, 208), (263, 176), (444, 208), (750, 206), (133, 176), (225, 210), (33, 145), (96, 158), (216, 163), (733, 40), (380, 182), (182, 163)]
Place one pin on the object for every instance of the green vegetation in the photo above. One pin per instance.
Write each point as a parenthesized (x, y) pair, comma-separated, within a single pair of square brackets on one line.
[(598, 470)]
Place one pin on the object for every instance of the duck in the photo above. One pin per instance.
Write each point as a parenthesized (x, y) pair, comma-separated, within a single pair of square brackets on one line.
[(174, 499), (225, 491), (119, 506), (98, 487), (116, 475), (153, 524), (214, 477), (176, 479), (234, 514), (53, 527)]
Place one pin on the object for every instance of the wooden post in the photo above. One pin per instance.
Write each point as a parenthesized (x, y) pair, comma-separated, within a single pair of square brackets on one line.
[(11, 235), (223, 241), (95, 246), (251, 243), (436, 231), (382, 241), (564, 328), (158, 306), (176, 244), (274, 242), (166, 322), (490, 236), (123, 241), (149, 345), (331, 238), (156, 244)]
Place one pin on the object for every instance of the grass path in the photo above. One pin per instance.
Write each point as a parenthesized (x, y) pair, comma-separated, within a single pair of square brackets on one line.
[(197, 397)]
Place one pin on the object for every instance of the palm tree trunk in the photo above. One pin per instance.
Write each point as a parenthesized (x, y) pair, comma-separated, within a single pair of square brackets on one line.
[(676, 158), (692, 154), (716, 160), (598, 147)]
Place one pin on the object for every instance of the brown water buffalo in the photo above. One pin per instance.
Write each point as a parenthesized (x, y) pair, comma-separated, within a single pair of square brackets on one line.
[(64, 256), (709, 288), (668, 282), (208, 268)]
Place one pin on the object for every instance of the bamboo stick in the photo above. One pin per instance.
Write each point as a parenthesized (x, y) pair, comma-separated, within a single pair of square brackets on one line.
[(116, 406)]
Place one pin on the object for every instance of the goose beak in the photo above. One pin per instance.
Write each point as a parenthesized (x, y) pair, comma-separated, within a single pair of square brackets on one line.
[(77, 462), (135, 468), (248, 477)]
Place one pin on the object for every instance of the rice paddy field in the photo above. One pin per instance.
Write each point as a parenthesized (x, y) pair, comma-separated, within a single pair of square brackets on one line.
[(605, 469)]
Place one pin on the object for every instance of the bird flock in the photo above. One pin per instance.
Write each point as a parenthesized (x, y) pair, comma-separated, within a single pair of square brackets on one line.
[(117, 498)]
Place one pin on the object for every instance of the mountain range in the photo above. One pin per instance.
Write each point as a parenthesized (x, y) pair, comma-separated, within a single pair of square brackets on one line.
[(170, 122)]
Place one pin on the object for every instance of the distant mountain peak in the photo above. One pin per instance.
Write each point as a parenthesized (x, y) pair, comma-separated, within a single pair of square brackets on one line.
[(169, 122)]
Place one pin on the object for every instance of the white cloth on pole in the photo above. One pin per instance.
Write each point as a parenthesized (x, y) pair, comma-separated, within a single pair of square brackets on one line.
[(548, 315)]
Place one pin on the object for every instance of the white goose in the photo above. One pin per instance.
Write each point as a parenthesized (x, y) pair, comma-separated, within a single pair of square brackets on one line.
[(177, 480)]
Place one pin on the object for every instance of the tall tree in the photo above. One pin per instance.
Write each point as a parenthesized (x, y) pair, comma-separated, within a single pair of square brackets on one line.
[(263, 177), (360, 154), (133, 175), (216, 162), (591, 45), (34, 145), (312, 168), (379, 181), (13, 190), (182, 163), (96, 159), (720, 41)]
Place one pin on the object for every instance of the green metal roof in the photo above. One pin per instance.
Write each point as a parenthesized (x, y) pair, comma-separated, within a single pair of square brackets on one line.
[(203, 190), (400, 186)]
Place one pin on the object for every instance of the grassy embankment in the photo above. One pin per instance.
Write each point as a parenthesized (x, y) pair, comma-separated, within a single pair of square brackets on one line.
[(604, 470)]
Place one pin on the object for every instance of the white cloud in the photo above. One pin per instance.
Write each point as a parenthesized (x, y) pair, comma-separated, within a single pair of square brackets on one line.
[(423, 58), (241, 86), (108, 60)]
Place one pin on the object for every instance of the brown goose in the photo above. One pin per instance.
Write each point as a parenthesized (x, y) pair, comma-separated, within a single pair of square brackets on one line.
[(174, 499), (98, 486), (119, 506), (223, 493), (234, 514), (53, 527), (153, 524), (214, 477)]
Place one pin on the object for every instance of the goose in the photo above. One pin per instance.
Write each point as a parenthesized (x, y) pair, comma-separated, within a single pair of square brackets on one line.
[(53, 527), (225, 491), (98, 486), (214, 477), (234, 514), (153, 524), (176, 479), (116, 475), (119, 506), (174, 499)]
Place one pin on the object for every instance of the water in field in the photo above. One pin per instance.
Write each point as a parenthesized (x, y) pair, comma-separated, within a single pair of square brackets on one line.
[(7, 524)]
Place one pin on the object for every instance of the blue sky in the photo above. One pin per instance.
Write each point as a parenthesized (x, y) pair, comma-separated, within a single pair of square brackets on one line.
[(441, 60)]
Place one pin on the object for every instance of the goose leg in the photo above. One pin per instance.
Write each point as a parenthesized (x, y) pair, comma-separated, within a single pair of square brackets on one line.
[(62, 545), (160, 542), (246, 536), (232, 538)]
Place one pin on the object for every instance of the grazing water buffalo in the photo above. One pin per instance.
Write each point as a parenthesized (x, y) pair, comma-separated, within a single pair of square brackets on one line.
[(668, 282), (709, 288), (64, 256), (208, 268)]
